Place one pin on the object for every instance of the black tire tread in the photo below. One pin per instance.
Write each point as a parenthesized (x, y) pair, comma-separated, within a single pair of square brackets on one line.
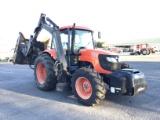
[(99, 86), (51, 79)]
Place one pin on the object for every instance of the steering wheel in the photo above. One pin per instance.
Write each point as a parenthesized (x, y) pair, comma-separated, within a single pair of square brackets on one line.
[(82, 47)]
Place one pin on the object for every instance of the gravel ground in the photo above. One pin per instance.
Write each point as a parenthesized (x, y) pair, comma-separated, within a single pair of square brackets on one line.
[(20, 99)]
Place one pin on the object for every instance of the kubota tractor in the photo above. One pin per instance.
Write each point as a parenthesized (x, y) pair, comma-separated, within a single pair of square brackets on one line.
[(73, 60)]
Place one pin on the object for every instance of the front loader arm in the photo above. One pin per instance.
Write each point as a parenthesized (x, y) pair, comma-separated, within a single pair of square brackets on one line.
[(42, 24), (47, 24)]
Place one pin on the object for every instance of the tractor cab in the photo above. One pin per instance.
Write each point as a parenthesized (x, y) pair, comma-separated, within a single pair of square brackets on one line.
[(83, 38), (74, 39)]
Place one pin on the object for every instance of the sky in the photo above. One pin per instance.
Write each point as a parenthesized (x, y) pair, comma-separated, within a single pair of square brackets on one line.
[(118, 20)]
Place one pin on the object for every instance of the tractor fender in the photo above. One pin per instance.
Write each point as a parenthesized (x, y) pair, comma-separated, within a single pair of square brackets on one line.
[(51, 52)]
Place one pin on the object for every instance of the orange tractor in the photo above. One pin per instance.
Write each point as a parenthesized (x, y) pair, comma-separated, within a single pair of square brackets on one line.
[(144, 49), (71, 59)]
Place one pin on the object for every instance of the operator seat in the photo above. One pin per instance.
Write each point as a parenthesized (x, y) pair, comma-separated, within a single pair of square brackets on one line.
[(46, 41)]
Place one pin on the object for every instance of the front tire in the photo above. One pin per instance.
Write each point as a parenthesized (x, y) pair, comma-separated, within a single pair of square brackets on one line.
[(144, 52), (88, 87), (45, 76)]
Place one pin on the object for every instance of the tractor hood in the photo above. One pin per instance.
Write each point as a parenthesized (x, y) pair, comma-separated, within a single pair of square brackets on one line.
[(94, 52), (92, 56)]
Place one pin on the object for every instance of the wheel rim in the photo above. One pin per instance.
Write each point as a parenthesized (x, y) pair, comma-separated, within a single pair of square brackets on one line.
[(83, 88), (144, 52), (41, 72)]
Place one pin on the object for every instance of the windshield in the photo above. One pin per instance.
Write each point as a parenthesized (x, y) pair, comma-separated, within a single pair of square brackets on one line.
[(83, 38)]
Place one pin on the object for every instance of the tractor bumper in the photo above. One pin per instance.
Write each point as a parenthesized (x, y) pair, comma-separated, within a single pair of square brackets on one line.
[(127, 82)]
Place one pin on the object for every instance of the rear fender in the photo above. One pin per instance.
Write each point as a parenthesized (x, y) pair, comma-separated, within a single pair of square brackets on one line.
[(51, 52)]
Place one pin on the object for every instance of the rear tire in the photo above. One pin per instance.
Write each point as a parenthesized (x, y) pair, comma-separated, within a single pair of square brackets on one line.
[(45, 76), (88, 87)]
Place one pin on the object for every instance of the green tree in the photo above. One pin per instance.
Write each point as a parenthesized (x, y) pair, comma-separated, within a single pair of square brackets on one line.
[(99, 44)]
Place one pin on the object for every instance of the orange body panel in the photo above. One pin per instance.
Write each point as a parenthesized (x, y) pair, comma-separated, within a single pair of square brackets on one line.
[(91, 55), (52, 53), (88, 55)]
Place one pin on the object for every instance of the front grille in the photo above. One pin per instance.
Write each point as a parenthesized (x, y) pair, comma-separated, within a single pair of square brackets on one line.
[(107, 65)]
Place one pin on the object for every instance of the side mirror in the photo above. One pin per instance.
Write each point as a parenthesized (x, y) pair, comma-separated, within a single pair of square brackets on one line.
[(99, 34)]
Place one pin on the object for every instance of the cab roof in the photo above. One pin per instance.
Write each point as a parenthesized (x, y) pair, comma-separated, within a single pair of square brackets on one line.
[(77, 27)]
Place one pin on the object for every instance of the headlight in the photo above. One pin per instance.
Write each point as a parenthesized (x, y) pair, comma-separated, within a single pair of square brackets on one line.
[(136, 76), (111, 59), (109, 62)]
